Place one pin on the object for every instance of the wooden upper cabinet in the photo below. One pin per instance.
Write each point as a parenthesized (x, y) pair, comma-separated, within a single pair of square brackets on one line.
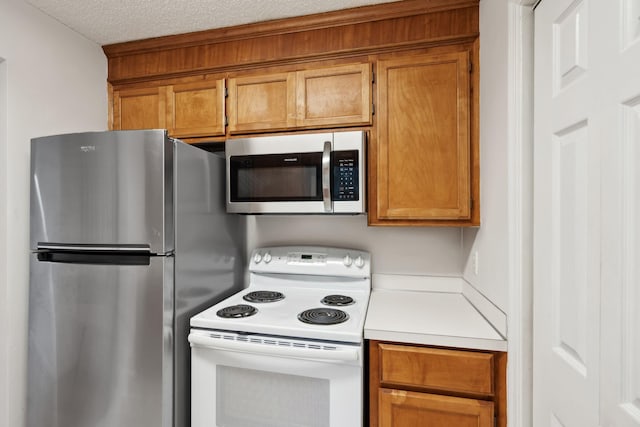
[(139, 108), (196, 109), (316, 97), (334, 96), (265, 102), (422, 156)]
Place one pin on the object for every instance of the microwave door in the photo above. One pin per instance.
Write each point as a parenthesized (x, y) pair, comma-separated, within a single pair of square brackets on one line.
[(280, 183)]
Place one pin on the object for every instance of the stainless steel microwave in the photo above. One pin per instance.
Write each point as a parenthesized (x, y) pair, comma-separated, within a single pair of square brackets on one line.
[(318, 173)]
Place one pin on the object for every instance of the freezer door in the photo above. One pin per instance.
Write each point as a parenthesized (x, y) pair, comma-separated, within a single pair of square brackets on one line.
[(100, 344), (103, 188)]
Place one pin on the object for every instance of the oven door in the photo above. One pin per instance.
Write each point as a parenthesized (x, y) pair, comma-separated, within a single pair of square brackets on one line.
[(257, 381)]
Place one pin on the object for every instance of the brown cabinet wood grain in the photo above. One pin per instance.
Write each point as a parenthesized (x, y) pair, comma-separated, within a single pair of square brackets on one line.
[(423, 386), (196, 109), (262, 103), (437, 369), (399, 408), (334, 96), (422, 164), (315, 72), (139, 108), (309, 98)]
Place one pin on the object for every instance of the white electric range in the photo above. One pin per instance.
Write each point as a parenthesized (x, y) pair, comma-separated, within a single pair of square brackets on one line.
[(288, 349)]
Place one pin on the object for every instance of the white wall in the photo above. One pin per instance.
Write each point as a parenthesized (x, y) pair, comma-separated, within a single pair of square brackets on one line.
[(490, 241), (56, 83), (395, 250)]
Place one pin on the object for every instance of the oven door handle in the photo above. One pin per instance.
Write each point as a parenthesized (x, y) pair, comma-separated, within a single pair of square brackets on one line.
[(198, 340)]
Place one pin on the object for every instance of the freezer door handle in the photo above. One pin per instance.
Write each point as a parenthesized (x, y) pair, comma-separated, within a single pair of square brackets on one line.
[(94, 254), (81, 247)]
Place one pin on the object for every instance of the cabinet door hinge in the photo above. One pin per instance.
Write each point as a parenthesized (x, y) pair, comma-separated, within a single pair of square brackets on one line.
[(373, 74), (226, 121), (226, 92), (470, 67), (471, 203), (373, 109)]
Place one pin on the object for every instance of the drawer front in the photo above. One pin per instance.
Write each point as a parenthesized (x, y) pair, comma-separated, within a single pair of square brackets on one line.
[(405, 408), (431, 368)]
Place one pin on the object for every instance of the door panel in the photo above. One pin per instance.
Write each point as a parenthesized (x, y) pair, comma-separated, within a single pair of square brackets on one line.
[(423, 161), (266, 102), (567, 222), (95, 345), (586, 205), (334, 96), (619, 101), (102, 188), (196, 109), (138, 108)]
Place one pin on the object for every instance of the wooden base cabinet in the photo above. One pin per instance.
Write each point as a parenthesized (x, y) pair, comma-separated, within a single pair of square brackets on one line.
[(406, 408), (422, 386)]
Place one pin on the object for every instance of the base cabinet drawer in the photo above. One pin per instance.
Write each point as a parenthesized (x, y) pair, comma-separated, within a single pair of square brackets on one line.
[(438, 369), (406, 408), (413, 385)]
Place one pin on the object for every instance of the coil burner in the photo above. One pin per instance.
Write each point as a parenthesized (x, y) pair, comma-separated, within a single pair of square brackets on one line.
[(237, 311), (263, 296), (337, 300), (323, 316)]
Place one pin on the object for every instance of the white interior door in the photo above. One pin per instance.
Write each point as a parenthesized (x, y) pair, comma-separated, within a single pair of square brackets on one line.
[(586, 245)]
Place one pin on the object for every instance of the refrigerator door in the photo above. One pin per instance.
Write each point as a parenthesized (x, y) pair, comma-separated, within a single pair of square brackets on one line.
[(209, 254), (109, 188), (100, 345)]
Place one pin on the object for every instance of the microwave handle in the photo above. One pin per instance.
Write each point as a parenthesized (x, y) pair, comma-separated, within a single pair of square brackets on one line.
[(326, 176)]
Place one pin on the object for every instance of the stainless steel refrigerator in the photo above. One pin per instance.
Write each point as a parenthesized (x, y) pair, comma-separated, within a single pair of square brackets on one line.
[(130, 238)]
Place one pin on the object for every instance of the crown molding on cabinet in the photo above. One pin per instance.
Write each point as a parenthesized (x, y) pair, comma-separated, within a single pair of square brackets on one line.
[(357, 31)]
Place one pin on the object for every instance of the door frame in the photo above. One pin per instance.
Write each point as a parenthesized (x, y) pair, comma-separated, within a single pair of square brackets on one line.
[(520, 205), (4, 244)]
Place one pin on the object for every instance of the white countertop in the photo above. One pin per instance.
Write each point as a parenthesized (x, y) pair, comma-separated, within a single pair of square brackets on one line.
[(431, 318)]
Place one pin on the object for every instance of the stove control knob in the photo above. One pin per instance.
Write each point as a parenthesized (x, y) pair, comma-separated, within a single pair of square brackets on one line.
[(267, 257), (359, 262), (257, 258), (347, 260)]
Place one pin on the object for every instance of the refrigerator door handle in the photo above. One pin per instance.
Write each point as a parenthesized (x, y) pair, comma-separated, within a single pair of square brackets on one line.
[(81, 247), (94, 254)]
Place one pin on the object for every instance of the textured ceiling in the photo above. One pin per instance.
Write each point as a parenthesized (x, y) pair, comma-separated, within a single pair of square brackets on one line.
[(113, 21)]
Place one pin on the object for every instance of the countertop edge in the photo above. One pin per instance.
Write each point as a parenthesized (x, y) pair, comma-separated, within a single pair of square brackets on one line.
[(437, 340)]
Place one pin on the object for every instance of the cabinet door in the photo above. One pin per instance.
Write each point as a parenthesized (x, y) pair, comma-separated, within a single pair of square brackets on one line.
[(410, 409), (266, 102), (334, 96), (196, 109), (139, 108), (422, 156)]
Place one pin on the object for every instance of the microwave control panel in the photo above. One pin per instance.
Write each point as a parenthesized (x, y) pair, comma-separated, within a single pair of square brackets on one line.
[(345, 175)]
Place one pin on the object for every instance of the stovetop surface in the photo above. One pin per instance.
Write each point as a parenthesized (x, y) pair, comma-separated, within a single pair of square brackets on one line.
[(281, 317), (305, 275)]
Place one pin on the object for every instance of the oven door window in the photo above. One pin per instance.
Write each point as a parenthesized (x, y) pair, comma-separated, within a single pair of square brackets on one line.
[(293, 177), (249, 398)]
